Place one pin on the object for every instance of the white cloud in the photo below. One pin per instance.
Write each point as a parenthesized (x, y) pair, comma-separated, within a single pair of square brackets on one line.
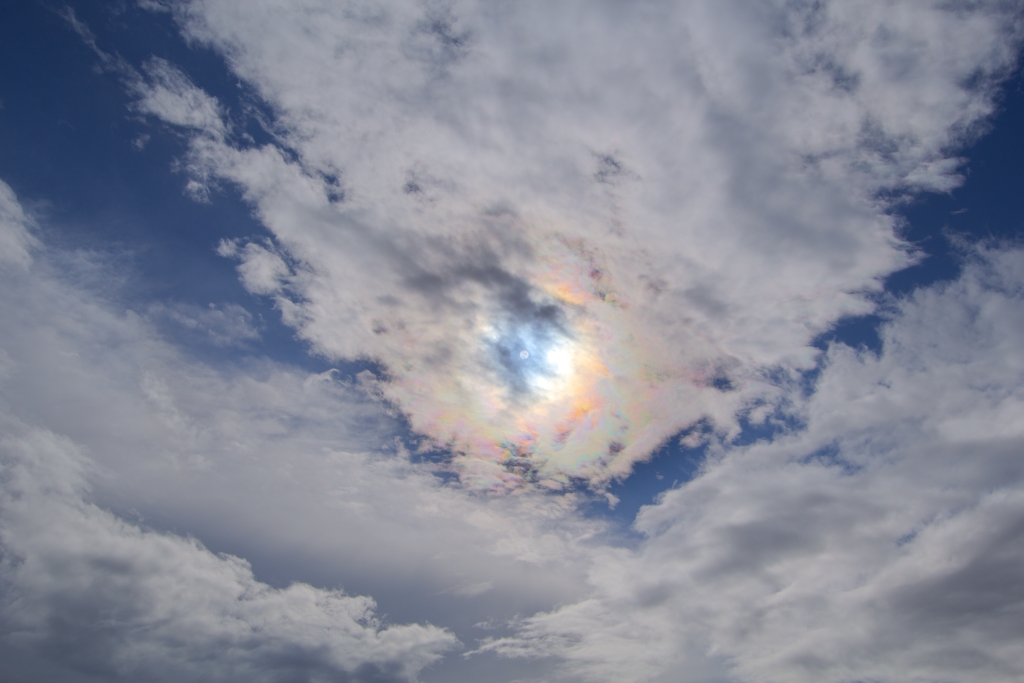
[(98, 594), (658, 207), (262, 271), (89, 591), (16, 242), (169, 95), (678, 199), (224, 325), (297, 472), (883, 542)]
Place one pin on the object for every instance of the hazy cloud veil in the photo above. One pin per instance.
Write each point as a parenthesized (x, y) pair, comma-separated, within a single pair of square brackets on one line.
[(557, 235)]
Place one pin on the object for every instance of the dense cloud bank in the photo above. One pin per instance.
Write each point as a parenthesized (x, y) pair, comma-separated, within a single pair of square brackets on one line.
[(882, 541), (115, 442), (673, 199), (100, 595)]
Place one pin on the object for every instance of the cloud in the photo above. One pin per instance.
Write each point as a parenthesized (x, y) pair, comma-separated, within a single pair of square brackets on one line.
[(661, 208), (168, 94), (880, 542), (562, 234), (225, 325), (262, 271), (16, 242), (103, 596), (100, 595), (126, 451)]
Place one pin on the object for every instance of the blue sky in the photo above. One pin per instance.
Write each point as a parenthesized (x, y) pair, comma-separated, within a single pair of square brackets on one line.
[(268, 268), (70, 145)]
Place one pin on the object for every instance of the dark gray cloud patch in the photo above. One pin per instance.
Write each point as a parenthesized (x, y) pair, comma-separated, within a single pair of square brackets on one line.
[(608, 168), (375, 673)]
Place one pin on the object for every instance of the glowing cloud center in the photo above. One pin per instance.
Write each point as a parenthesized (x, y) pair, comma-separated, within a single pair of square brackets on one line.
[(550, 386)]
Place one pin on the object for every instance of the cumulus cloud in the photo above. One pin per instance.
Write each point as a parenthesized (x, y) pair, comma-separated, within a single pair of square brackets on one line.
[(881, 542), (92, 592), (262, 270), (562, 234), (103, 596), (117, 442), (570, 232)]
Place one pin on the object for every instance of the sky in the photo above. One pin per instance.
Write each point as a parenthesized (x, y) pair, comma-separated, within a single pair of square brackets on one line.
[(458, 341)]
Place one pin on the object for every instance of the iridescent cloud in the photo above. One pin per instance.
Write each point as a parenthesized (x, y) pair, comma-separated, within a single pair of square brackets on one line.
[(558, 384)]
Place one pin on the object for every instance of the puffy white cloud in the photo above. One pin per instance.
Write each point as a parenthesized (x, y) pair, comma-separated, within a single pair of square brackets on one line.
[(883, 541), (89, 592), (119, 442), (655, 204), (101, 595), (262, 271), (567, 232)]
